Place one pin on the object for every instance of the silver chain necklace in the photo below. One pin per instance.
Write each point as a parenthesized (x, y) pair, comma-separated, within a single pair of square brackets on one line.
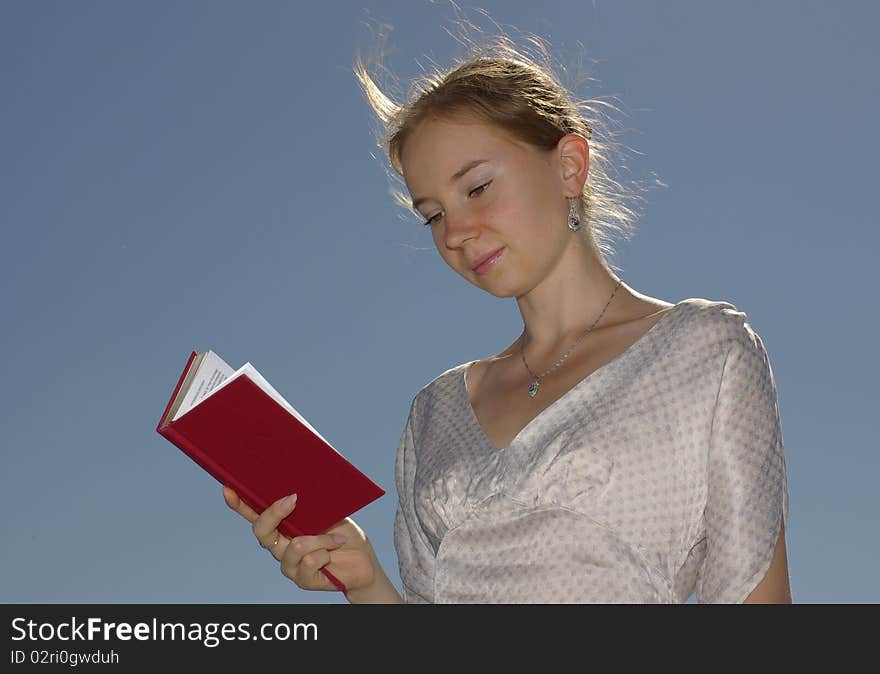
[(536, 378)]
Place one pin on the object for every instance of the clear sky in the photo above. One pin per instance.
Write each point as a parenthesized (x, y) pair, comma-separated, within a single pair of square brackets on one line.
[(205, 175)]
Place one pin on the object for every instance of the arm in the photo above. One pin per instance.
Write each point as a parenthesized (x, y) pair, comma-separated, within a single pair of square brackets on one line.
[(414, 551), (747, 490), (381, 591), (774, 589)]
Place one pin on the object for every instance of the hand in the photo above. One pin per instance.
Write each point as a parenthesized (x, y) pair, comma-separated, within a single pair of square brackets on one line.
[(343, 549)]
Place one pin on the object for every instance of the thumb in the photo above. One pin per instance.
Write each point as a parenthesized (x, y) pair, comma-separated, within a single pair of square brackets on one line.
[(230, 497), (338, 541)]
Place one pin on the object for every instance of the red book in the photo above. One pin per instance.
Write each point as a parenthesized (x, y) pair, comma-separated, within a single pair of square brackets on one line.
[(241, 431)]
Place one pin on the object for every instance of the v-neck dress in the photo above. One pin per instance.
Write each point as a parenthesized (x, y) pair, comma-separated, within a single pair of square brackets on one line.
[(660, 474)]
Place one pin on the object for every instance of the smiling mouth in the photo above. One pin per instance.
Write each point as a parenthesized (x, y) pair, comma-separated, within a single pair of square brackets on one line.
[(487, 265)]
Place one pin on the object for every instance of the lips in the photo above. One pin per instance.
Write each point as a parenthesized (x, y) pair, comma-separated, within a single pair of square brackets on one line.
[(484, 258)]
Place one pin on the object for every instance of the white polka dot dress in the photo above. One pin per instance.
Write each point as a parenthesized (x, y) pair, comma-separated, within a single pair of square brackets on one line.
[(658, 475)]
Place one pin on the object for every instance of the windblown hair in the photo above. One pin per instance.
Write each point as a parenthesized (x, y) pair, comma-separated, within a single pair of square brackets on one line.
[(499, 84)]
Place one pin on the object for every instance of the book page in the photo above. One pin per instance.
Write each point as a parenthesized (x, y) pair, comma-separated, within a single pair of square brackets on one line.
[(212, 372)]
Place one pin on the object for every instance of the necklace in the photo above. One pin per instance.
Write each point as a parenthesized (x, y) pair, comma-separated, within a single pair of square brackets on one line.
[(536, 378)]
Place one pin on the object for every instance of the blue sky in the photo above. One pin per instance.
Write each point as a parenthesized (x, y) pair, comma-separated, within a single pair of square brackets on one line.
[(204, 175)]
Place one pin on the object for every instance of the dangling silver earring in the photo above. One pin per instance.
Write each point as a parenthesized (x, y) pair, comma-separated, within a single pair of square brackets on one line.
[(574, 221)]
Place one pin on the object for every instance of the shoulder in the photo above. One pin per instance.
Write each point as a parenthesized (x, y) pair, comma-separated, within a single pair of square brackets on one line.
[(700, 334), (724, 331), (717, 311), (444, 379), (716, 321), (438, 390)]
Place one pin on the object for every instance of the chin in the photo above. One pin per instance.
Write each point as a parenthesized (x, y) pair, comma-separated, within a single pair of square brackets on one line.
[(496, 289)]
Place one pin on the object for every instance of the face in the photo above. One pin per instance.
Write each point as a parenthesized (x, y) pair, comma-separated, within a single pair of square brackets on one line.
[(513, 201)]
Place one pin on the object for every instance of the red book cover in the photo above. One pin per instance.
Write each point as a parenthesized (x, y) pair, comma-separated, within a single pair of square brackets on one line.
[(248, 441)]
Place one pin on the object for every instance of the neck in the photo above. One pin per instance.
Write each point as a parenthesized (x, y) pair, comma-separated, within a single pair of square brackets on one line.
[(563, 306)]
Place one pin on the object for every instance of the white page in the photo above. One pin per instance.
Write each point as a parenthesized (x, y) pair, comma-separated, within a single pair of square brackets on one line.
[(212, 372), (254, 375)]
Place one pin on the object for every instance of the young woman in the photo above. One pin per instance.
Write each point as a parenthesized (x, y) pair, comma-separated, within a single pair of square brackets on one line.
[(621, 449)]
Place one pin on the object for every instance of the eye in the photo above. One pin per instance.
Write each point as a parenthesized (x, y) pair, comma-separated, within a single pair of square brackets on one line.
[(477, 191), (481, 188), (432, 219)]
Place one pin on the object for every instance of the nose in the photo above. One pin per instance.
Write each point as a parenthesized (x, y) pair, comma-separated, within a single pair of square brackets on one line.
[(460, 226)]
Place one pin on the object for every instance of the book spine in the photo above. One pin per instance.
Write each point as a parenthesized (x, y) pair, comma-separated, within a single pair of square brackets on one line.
[(170, 432), (189, 361)]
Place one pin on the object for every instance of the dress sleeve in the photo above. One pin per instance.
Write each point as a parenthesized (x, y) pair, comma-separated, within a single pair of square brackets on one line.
[(414, 553), (747, 490)]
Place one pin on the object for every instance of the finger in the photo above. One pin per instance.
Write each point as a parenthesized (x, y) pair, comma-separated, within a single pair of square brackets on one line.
[(312, 577), (266, 525), (233, 501), (301, 546), (278, 546), (305, 556), (311, 564)]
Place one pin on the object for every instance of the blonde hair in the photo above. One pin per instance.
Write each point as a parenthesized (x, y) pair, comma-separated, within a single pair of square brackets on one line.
[(497, 83)]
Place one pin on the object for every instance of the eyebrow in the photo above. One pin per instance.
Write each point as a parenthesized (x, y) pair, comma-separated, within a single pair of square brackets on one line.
[(455, 176)]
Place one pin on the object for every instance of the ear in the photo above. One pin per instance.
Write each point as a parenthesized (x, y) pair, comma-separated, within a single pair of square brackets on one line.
[(573, 153)]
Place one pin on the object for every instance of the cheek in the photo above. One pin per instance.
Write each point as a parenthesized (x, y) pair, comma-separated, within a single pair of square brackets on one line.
[(517, 207), (520, 224)]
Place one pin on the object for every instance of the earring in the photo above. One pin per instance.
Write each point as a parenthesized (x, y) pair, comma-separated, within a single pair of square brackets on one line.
[(574, 221)]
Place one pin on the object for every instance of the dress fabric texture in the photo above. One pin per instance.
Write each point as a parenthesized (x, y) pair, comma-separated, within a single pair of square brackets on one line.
[(658, 475)]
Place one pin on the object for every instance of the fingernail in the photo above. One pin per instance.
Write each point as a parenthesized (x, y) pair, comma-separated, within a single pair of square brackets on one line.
[(338, 538), (288, 501)]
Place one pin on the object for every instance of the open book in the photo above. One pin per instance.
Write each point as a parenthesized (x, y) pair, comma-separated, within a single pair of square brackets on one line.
[(207, 373), (237, 427)]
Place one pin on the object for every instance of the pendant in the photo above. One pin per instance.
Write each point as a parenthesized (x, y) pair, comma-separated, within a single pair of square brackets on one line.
[(533, 389)]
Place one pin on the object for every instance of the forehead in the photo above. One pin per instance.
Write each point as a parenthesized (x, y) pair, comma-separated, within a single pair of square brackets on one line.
[(438, 147)]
